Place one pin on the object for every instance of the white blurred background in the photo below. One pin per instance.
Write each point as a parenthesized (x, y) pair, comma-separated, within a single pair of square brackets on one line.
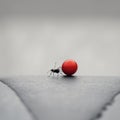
[(35, 34)]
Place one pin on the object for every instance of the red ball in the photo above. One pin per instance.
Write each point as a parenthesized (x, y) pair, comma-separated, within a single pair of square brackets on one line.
[(69, 67)]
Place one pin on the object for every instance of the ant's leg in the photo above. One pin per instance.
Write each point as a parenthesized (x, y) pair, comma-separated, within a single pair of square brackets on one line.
[(53, 73), (50, 74), (58, 75), (61, 73), (55, 65), (60, 68)]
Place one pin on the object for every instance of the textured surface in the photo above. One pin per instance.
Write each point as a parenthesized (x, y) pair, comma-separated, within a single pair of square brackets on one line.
[(11, 107), (56, 98)]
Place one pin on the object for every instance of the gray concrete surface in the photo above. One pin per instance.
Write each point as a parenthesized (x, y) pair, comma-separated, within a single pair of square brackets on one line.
[(61, 98), (112, 112), (11, 107)]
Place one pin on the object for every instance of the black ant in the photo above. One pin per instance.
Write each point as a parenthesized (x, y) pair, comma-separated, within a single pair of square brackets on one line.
[(55, 70)]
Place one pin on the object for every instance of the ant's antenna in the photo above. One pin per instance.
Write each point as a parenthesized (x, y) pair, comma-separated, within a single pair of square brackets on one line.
[(49, 72), (55, 65)]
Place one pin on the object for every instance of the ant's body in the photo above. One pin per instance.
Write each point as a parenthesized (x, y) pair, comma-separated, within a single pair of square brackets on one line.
[(57, 71)]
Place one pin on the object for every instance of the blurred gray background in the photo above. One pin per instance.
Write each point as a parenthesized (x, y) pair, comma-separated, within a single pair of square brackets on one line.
[(34, 34)]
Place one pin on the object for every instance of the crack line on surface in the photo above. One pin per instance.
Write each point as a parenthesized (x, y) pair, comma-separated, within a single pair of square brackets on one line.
[(22, 101), (104, 108)]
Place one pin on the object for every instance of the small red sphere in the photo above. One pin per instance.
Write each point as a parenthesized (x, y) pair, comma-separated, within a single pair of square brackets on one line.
[(69, 67)]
